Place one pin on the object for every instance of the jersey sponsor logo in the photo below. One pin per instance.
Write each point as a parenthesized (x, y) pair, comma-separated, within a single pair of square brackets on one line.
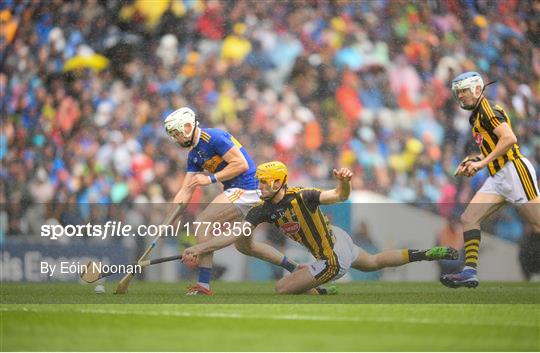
[(278, 213), (478, 138), (201, 154), (290, 227), (212, 163)]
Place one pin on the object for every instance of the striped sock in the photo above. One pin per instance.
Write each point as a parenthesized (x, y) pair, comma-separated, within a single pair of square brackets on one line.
[(204, 277), (472, 246)]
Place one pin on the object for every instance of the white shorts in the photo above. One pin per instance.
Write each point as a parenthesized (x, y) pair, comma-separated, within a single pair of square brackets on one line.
[(346, 253), (516, 182), (244, 200)]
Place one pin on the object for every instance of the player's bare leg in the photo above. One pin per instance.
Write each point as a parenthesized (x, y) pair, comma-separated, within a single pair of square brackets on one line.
[(302, 280), (481, 207), (372, 262), (298, 282), (531, 212), (530, 243), (247, 246), (220, 210), (392, 258)]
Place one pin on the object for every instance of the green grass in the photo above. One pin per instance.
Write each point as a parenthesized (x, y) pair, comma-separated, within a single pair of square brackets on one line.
[(383, 316), (263, 293)]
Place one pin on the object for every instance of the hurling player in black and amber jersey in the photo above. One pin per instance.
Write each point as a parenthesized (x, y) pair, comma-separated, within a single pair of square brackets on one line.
[(296, 212), (512, 179)]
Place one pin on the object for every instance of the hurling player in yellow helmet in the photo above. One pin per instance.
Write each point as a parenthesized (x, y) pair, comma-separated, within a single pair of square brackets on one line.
[(271, 173), (296, 212)]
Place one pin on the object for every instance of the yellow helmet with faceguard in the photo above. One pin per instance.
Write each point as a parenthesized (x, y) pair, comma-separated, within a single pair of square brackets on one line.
[(271, 172)]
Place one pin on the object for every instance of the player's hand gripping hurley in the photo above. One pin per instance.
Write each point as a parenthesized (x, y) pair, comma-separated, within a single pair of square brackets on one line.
[(465, 168)]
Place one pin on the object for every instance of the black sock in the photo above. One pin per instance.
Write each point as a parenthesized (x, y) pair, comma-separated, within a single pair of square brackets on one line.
[(529, 253), (286, 264), (321, 290), (417, 255)]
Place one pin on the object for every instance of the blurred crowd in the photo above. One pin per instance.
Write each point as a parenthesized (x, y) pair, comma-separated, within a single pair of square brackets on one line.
[(316, 84)]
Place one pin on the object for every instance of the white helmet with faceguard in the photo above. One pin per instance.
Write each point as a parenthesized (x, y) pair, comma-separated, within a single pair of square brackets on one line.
[(468, 80), (176, 123)]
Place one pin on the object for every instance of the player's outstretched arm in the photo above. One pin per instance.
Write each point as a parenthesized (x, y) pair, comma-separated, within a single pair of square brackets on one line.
[(219, 242), (342, 190), (244, 243), (214, 244), (247, 246)]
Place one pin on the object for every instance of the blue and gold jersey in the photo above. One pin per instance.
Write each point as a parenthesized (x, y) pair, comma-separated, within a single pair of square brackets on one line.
[(208, 155)]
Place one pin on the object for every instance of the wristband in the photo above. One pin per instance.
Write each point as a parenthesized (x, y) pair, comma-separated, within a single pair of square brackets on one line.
[(213, 178)]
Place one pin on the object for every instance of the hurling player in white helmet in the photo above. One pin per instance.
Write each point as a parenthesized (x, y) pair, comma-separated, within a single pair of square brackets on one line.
[(512, 179), (225, 161)]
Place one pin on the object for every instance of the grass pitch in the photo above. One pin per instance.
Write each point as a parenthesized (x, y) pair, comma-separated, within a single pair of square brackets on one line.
[(369, 316)]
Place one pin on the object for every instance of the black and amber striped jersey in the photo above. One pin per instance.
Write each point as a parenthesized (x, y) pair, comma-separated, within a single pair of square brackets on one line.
[(298, 216), (484, 119)]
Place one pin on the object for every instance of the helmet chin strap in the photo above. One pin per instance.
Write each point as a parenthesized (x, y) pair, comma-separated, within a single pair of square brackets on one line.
[(190, 142), (472, 107), (270, 198)]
